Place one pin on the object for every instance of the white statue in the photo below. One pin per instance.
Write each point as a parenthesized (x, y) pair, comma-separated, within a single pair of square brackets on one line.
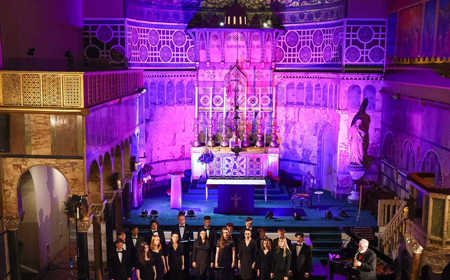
[(356, 139)]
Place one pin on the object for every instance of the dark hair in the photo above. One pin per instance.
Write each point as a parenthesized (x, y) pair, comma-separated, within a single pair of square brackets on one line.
[(262, 229), (207, 218), (119, 240), (299, 233), (135, 227), (171, 241), (247, 229), (281, 228), (120, 232), (229, 225), (154, 222), (269, 244), (142, 252), (249, 219)]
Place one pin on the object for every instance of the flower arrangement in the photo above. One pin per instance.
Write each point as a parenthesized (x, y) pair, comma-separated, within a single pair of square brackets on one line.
[(206, 157), (76, 202)]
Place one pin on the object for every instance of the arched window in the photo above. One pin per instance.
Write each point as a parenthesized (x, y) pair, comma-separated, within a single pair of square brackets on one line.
[(317, 95), (309, 95), (354, 97), (170, 94), (431, 164), (325, 96), (300, 94), (290, 94), (407, 159), (180, 100), (281, 94), (388, 153), (370, 93)]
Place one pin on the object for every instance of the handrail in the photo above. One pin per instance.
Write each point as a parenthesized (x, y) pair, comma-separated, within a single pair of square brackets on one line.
[(395, 229), (387, 208)]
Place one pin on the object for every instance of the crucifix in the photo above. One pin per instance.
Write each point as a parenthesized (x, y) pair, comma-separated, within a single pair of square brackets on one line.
[(235, 198)]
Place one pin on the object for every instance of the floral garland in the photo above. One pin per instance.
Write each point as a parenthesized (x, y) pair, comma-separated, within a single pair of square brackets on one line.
[(71, 206), (206, 157)]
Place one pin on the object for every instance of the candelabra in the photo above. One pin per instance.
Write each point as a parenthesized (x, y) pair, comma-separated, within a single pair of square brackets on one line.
[(196, 134), (259, 142), (274, 142), (224, 142), (210, 142), (245, 143)]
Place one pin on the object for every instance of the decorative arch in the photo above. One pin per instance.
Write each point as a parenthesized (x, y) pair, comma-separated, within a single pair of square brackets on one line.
[(300, 97), (388, 151), (370, 92), (317, 95), (73, 170), (215, 52), (180, 98), (170, 94), (330, 97), (107, 173), (118, 161), (336, 97), (309, 94), (432, 164), (202, 47), (127, 156), (354, 97), (281, 94), (235, 44), (407, 158), (152, 93), (161, 95), (190, 93), (290, 94), (268, 50), (95, 183), (255, 54), (325, 96), (326, 151)]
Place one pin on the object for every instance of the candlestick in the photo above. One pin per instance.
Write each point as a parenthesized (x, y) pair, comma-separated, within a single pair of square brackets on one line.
[(273, 103), (260, 100), (224, 101), (245, 103), (210, 103), (196, 102)]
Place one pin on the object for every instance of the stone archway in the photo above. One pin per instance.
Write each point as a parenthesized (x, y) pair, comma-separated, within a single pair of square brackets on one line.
[(326, 157)]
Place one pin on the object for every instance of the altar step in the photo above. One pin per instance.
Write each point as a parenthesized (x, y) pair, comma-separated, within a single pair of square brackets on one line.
[(325, 242), (275, 191)]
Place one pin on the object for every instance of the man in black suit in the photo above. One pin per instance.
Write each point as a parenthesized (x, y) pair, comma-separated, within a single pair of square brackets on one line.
[(301, 258), (262, 235), (119, 264), (365, 261), (211, 236), (133, 243), (185, 237), (248, 226), (154, 230), (281, 233)]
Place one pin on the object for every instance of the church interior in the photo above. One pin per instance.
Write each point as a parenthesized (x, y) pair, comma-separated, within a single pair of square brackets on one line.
[(326, 116)]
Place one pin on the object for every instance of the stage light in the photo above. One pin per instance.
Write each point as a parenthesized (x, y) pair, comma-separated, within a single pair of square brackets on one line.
[(328, 215), (221, 24), (148, 178), (181, 213), (154, 213), (144, 213), (343, 214), (265, 24), (190, 213), (269, 215), (297, 216)]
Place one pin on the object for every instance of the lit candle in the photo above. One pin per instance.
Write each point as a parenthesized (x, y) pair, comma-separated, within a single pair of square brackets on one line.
[(196, 102), (78, 213), (210, 103), (224, 101), (273, 103), (260, 100)]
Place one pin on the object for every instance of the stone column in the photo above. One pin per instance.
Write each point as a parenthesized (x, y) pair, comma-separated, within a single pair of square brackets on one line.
[(82, 225), (12, 225), (118, 209), (417, 250), (109, 196), (97, 209), (437, 260)]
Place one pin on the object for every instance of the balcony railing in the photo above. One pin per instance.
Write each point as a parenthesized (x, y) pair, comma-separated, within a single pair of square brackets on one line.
[(395, 230), (66, 89)]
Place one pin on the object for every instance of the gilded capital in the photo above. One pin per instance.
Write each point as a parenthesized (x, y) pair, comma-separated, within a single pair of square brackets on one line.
[(97, 208), (12, 223), (437, 262), (82, 224), (109, 196)]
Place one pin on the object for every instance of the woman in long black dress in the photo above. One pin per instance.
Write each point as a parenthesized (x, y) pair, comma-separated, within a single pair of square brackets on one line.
[(175, 258), (158, 256), (247, 256), (225, 256), (145, 266), (264, 260), (282, 261), (201, 256)]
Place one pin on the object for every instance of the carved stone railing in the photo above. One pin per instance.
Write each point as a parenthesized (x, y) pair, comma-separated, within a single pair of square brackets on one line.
[(395, 230), (387, 208), (74, 90), (41, 89)]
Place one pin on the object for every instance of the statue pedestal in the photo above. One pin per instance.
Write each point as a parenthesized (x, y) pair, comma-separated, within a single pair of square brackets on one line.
[(353, 197), (357, 171)]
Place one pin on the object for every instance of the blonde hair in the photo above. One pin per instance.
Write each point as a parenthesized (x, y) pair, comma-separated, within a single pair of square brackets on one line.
[(285, 247), (153, 246)]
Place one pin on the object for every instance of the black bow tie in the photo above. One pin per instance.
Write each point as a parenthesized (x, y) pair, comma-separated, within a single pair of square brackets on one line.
[(299, 244), (248, 229), (134, 237), (181, 226), (155, 231), (119, 252)]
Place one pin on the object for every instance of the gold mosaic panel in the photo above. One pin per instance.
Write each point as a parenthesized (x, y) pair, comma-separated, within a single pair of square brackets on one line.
[(31, 88), (51, 90), (72, 91), (11, 89)]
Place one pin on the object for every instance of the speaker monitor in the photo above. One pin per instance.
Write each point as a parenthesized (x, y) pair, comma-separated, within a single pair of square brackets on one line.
[(4, 133)]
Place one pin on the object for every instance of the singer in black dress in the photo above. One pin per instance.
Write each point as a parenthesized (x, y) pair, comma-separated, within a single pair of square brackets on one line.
[(175, 258), (247, 255), (158, 255), (264, 260), (201, 256), (145, 265), (225, 256), (282, 261)]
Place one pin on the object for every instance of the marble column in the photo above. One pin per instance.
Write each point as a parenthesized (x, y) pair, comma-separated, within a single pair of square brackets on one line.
[(118, 209), (11, 226), (109, 196), (97, 209), (82, 226)]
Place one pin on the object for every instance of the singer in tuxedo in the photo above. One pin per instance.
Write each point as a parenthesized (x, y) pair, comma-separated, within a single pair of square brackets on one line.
[(119, 265), (211, 237), (248, 226), (281, 231), (186, 236), (301, 261), (154, 230), (365, 261), (133, 242)]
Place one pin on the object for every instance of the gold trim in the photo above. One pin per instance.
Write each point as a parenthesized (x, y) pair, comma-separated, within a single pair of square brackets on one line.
[(53, 134), (37, 110), (27, 120)]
